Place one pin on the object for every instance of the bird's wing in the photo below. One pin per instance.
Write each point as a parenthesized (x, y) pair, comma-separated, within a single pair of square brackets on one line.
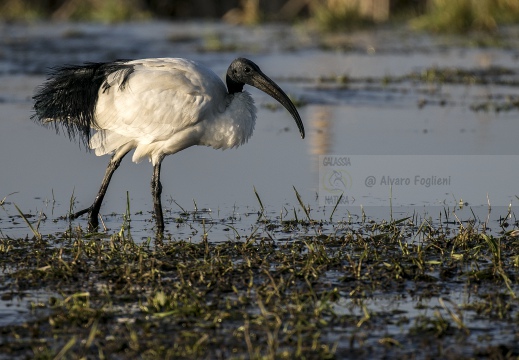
[(158, 98)]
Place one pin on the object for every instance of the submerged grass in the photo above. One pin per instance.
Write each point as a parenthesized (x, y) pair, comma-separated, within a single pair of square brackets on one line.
[(399, 288)]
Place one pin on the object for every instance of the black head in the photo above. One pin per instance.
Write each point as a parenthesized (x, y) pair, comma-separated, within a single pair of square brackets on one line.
[(243, 71)]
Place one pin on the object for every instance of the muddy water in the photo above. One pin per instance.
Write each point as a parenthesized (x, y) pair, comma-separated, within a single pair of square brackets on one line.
[(363, 115)]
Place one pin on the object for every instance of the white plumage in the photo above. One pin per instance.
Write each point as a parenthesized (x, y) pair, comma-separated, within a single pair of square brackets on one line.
[(157, 107), (186, 102)]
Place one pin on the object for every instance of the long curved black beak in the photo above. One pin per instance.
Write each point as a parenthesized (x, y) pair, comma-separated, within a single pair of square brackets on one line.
[(264, 83)]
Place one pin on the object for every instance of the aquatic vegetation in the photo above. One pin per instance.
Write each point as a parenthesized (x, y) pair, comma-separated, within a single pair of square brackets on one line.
[(340, 288)]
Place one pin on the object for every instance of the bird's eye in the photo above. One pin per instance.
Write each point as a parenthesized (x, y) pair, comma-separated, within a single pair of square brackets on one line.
[(247, 70), (235, 71)]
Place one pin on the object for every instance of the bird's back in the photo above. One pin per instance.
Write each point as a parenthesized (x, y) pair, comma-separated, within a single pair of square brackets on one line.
[(158, 98)]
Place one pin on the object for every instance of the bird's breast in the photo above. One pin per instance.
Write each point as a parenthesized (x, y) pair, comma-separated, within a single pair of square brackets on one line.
[(232, 122)]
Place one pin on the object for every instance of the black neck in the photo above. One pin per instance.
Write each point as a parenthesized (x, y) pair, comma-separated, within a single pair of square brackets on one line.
[(233, 86)]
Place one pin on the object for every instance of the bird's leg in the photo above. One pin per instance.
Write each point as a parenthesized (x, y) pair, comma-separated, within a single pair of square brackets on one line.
[(156, 191), (93, 210)]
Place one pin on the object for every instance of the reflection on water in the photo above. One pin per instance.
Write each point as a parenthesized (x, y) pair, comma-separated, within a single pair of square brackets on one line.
[(321, 129), (47, 173)]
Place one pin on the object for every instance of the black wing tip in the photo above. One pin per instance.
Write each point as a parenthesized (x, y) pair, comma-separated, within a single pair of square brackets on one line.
[(66, 100)]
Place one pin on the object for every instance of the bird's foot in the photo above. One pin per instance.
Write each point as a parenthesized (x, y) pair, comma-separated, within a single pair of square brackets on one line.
[(80, 213), (93, 222)]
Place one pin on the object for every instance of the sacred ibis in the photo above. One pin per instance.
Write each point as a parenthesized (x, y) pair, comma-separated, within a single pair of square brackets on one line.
[(157, 107)]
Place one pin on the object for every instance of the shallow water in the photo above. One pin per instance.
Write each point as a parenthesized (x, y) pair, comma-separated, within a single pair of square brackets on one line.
[(41, 172), (20, 308)]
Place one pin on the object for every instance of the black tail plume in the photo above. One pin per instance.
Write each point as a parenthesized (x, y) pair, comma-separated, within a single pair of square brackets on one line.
[(68, 98)]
